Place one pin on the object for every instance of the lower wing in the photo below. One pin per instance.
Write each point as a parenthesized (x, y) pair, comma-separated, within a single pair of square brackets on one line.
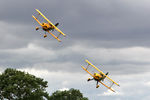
[(54, 36)]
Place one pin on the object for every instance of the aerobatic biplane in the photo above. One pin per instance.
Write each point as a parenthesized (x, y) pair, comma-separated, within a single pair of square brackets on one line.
[(48, 26), (99, 76)]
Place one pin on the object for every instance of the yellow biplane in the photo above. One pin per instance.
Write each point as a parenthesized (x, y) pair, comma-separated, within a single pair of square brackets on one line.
[(48, 26), (99, 76)]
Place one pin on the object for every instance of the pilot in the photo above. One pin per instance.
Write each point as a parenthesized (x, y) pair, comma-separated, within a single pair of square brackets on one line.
[(97, 76), (45, 26)]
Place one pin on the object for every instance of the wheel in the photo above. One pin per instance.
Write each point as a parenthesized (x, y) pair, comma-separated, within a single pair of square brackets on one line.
[(97, 86), (45, 35), (37, 28)]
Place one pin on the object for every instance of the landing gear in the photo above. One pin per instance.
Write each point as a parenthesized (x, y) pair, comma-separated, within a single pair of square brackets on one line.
[(37, 28), (97, 86), (45, 35)]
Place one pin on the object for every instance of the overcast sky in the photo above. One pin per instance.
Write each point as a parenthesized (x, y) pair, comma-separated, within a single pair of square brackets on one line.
[(112, 34)]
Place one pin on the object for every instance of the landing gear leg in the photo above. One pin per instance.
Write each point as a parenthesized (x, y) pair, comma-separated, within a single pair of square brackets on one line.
[(45, 35), (97, 85)]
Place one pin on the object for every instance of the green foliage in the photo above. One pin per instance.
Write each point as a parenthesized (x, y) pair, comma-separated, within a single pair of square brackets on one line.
[(71, 94), (17, 85)]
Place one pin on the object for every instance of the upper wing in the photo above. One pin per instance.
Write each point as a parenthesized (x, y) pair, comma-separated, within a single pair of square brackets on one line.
[(50, 23), (101, 72)]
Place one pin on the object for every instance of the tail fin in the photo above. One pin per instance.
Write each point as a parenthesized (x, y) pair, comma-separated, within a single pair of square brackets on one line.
[(105, 76), (107, 73), (56, 24)]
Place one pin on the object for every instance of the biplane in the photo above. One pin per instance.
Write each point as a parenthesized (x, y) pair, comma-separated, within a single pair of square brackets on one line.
[(99, 76), (48, 26)]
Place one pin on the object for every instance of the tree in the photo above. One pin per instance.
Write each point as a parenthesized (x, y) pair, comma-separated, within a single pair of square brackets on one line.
[(72, 94), (17, 85)]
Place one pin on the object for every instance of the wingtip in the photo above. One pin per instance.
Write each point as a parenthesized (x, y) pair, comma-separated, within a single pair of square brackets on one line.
[(86, 60), (37, 10), (83, 67), (59, 40)]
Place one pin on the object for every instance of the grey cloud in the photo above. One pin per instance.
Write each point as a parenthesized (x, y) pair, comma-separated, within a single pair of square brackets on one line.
[(123, 61), (102, 23)]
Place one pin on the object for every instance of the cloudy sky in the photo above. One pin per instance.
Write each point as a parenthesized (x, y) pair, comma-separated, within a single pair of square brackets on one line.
[(112, 34)]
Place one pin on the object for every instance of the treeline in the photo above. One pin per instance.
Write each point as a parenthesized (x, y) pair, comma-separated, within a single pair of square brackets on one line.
[(18, 85)]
